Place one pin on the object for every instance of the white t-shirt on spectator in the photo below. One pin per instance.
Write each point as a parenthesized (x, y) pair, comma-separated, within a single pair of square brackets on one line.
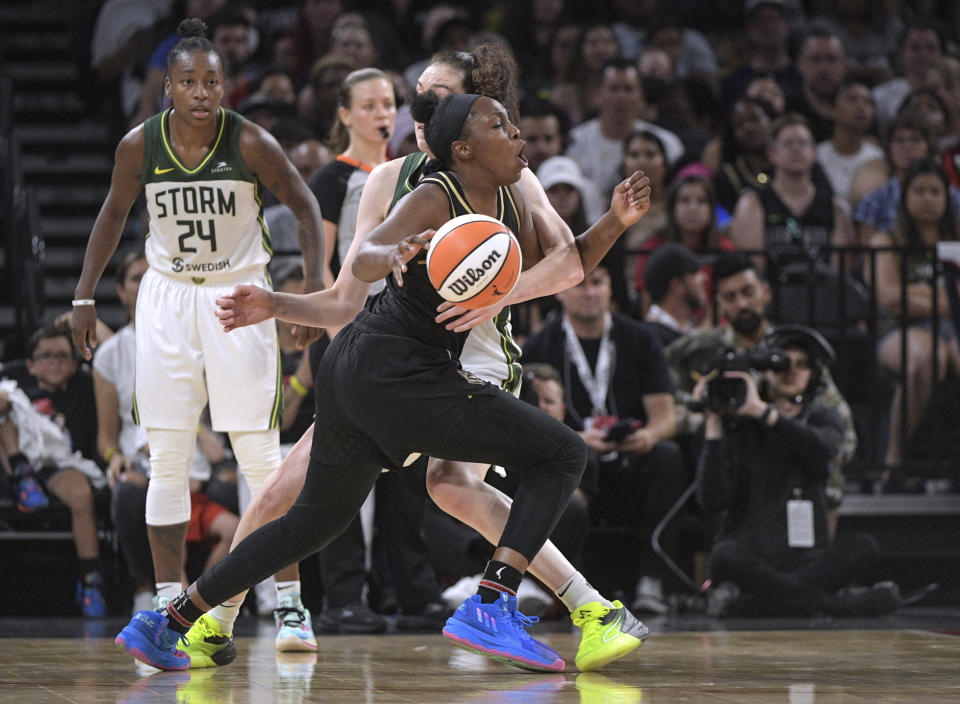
[(599, 157), (841, 168), (888, 96)]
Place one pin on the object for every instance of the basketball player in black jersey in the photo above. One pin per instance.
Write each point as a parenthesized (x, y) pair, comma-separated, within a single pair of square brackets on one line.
[(390, 387)]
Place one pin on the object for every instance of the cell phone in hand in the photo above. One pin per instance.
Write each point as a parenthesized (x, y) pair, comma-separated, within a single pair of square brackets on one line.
[(621, 429)]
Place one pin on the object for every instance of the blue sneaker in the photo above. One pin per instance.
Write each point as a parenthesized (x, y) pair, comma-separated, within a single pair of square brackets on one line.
[(30, 495), (148, 639), (498, 631), (90, 596)]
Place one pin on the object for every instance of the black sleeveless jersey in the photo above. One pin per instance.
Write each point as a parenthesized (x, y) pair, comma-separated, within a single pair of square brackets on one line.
[(790, 237), (410, 309)]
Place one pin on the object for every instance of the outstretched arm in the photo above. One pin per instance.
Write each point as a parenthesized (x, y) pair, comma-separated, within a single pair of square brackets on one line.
[(124, 188), (268, 161), (335, 306)]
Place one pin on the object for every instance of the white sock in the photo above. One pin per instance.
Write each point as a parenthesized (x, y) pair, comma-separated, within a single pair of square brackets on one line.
[(577, 591), (168, 590), (291, 589), (226, 614)]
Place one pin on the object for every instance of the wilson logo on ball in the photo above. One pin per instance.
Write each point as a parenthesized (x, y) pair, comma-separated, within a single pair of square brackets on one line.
[(473, 261)]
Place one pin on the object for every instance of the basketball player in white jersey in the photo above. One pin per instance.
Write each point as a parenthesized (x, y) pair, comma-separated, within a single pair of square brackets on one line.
[(201, 168)]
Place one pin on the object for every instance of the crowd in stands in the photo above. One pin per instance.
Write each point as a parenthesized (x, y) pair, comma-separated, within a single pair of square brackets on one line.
[(783, 139)]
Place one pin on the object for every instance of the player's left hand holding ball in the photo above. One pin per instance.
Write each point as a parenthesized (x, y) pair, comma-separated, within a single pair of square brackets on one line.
[(245, 305), (406, 250), (631, 199)]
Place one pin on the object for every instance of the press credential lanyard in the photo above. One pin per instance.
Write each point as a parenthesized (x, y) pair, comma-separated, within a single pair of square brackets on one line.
[(597, 384)]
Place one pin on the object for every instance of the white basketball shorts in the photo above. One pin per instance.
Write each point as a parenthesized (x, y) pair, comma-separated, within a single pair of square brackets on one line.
[(185, 359)]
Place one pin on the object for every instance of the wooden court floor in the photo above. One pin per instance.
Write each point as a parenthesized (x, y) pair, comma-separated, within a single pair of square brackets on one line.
[(785, 667)]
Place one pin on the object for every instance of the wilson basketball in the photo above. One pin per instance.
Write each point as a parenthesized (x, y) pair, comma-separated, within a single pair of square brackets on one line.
[(473, 261)]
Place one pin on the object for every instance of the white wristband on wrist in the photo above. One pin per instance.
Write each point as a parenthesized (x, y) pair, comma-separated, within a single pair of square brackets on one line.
[(83, 302)]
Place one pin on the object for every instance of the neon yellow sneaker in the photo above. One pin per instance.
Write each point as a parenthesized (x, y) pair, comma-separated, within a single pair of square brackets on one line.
[(599, 689), (606, 634), (209, 647)]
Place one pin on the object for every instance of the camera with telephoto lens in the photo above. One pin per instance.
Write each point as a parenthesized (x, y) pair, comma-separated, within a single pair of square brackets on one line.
[(725, 394)]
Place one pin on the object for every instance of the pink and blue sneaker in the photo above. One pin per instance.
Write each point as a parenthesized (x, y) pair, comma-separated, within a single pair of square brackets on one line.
[(90, 596), (30, 495), (498, 630), (149, 640)]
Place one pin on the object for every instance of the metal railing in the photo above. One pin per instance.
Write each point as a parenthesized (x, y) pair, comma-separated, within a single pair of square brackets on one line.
[(840, 300)]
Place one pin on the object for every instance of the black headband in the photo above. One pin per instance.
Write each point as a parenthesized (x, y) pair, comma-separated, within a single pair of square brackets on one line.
[(447, 123)]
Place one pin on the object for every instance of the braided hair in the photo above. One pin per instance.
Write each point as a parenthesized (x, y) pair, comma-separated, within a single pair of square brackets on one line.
[(193, 32)]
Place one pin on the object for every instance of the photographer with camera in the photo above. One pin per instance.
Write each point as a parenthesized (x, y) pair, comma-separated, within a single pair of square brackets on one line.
[(620, 398), (741, 300), (767, 456)]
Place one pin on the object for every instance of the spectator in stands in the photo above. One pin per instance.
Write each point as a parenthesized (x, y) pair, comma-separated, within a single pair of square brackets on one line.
[(355, 42), (774, 555), (559, 85), (446, 29), (48, 436), (117, 54), (866, 30), (530, 27), (768, 92), (614, 371), (688, 49), (927, 105), (571, 195), (920, 46), (849, 147), (743, 157), (311, 33), (231, 31), (544, 129), (598, 47), (926, 216), (675, 285), (766, 33), (822, 65), (797, 218), (908, 139), (598, 144), (691, 221), (317, 100), (944, 79), (742, 299), (645, 151), (123, 446), (307, 155), (276, 83)]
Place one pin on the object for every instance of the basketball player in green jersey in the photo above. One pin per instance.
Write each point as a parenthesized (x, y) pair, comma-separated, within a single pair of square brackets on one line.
[(456, 487), (201, 168)]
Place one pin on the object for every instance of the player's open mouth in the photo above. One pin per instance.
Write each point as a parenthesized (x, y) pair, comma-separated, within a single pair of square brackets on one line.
[(200, 112), (522, 157)]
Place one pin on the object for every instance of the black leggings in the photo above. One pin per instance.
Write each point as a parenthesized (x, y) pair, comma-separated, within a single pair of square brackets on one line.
[(802, 589), (384, 396)]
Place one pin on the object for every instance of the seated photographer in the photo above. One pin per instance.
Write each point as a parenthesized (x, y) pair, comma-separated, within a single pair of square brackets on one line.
[(620, 398), (742, 299), (774, 554)]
